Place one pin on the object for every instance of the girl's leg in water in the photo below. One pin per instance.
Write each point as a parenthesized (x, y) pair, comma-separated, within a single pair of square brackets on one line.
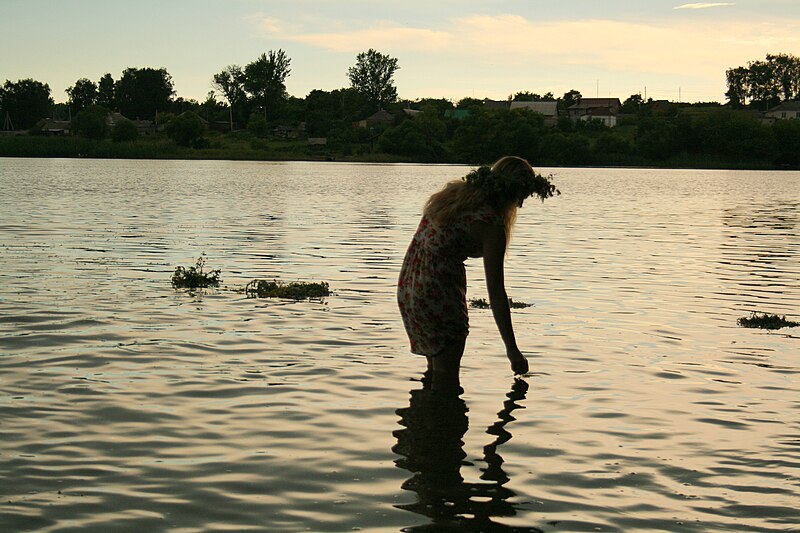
[(446, 365)]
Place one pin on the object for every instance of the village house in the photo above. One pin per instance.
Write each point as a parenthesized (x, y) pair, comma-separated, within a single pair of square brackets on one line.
[(785, 111), (55, 127), (495, 105), (144, 127), (549, 110), (603, 109), (602, 114), (290, 132), (381, 117)]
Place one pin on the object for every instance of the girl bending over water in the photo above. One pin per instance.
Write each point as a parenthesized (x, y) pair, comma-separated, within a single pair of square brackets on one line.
[(470, 217)]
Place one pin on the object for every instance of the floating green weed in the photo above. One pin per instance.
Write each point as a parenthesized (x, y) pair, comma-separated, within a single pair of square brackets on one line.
[(298, 290), (766, 321), (481, 303), (194, 277)]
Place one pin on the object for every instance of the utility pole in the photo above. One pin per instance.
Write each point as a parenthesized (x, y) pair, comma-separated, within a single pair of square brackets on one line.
[(8, 125)]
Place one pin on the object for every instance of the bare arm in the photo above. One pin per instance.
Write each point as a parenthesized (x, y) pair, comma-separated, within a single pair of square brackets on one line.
[(493, 240)]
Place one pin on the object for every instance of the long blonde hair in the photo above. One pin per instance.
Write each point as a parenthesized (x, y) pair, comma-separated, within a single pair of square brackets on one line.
[(459, 196)]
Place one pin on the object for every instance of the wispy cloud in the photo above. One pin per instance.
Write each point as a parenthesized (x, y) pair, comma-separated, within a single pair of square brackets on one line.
[(381, 34), (508, 43), (705, 5)]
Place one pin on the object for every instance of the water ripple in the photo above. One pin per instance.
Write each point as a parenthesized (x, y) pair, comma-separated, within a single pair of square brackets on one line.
[(126, 405)]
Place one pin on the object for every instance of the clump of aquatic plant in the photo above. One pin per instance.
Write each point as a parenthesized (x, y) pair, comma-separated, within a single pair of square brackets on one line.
[(766, 321), (481, 303), (296, 290), (518, 305), (195, 277)]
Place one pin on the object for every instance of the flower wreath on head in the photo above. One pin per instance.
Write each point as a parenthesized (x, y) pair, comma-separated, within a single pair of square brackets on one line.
[(505, 188)]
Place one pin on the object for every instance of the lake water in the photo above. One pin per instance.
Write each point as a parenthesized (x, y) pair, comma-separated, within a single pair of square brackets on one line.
[(126, 405)]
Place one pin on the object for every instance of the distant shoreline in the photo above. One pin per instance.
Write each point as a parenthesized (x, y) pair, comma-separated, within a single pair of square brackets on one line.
[(160, 148)]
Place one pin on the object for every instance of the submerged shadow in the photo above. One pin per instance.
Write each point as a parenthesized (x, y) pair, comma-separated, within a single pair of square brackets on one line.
[(431, 448)]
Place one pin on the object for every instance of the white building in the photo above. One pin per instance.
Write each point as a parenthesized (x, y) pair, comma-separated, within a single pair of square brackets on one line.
[(784, 111)]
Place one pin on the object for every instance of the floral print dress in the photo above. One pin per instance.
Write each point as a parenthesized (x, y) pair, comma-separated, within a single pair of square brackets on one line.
[(432, 289)]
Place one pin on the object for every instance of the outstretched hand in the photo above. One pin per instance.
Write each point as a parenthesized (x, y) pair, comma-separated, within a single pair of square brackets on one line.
[(518, 362)]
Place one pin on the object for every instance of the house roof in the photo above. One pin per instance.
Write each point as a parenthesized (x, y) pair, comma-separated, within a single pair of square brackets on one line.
[(55, 125), (457, 113), (495, 104), (588, 103), (548, 109), (790, 105), (114, 118), (381, 115)]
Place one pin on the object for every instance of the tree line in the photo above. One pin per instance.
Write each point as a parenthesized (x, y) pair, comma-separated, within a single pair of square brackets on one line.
[(764, 84), (254, 97)]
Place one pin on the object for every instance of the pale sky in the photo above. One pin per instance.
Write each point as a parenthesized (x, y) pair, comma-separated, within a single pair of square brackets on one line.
[(446, 49)]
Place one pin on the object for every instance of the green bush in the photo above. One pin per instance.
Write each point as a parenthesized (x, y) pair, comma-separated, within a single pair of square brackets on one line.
[(257, 125), (185, 129), (91, 122), (124, 131)]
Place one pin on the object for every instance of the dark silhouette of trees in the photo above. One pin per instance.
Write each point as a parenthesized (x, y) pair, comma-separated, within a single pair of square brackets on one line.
[(82, 94), (105, 92), (185, 129), (632, 104), (569, 99), (766, 83), (124, 131), (787, 142), (734, 135), (373, 75), (526, 96), (421, 137), (26, 101), (91, 122), (265, 79), (142, 92), (230, 82)]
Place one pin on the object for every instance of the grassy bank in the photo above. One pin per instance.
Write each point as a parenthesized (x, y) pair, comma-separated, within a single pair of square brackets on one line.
[(245, 147), (159, 147)]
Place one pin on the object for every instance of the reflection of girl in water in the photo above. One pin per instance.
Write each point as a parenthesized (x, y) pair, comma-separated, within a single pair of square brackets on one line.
[(471, 217), (431, 447)]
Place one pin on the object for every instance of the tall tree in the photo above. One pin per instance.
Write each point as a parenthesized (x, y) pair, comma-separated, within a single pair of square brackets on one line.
[(264, 78), (570, 98), (105, 92), (738, 86), (142, 92), (786, 70), (230, 82), (764, 83), (527, 96), (82, 94), (25, 101), (764, 88), (632, 104), (373, 75), (91, 122)]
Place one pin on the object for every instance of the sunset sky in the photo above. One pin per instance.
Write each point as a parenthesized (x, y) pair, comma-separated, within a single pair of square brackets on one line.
[(449, 48)]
